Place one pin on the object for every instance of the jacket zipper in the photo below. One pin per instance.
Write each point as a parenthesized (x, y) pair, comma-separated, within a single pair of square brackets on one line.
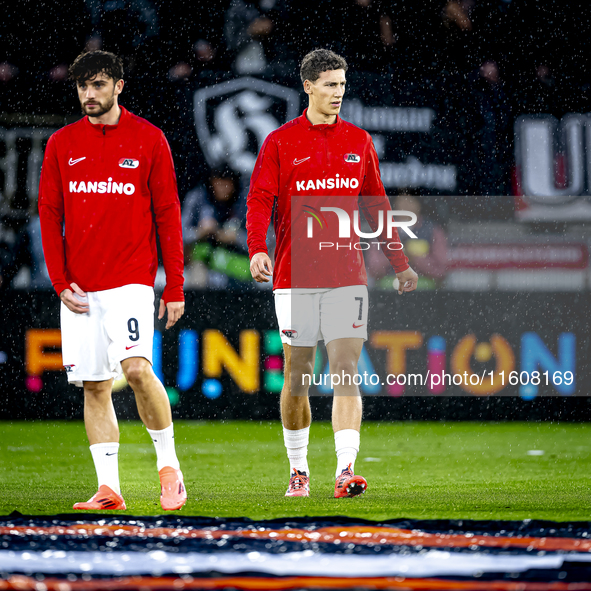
[(104, 147)]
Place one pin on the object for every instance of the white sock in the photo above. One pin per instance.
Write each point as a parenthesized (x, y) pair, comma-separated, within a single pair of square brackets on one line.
[(106, 464), (164, 445), (296, 442), (346, 442)]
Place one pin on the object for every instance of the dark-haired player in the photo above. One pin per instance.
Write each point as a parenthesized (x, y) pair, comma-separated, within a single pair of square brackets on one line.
[(320, 290), (107, 187)]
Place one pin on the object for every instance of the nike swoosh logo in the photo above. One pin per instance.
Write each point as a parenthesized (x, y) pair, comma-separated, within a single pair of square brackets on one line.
[(296, 161), (358, 325), (128, 348), (72, 162), (113, 454)]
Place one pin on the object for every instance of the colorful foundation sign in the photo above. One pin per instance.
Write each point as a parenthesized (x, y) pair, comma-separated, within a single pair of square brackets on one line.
[(225, 358)]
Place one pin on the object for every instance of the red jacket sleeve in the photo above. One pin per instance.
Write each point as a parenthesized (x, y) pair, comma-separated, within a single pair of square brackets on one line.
[(167, 215), (373, 200), (51, 216), (264, 186)]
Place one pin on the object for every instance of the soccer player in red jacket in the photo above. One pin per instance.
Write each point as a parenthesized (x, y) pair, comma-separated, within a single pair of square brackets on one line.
[(107, 187), (310, 169)]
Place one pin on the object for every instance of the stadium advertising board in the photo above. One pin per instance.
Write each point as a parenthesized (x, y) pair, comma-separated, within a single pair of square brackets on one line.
[(553, 167), (531, 255), (233, 119), (225, 360)]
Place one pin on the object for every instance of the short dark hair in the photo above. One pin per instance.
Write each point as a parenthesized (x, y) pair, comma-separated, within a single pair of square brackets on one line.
[(318, 61), (91, 63)]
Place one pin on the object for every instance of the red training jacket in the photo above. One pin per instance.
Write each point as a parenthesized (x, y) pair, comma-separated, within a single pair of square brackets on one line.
[(104, 190), (305, 167)]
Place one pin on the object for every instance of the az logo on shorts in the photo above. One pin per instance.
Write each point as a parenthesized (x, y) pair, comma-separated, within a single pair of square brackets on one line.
[(352, 158), (290, 334), (129, 163)]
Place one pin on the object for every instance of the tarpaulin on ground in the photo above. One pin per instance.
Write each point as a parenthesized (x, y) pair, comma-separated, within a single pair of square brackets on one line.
[(111, 552)]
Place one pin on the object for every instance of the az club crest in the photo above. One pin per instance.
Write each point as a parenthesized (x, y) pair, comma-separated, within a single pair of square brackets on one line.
[(129, 163)]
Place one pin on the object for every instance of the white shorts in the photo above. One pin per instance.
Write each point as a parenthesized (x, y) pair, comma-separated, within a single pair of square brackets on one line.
[(306, 316), (119, 325)]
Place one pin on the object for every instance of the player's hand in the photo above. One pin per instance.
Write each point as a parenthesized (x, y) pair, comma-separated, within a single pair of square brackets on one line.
[(261, 267), (175, 311), (407, 280), (75, 299)]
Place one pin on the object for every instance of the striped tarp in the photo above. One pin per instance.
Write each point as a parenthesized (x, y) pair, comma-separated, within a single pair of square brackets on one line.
[(70, 552)]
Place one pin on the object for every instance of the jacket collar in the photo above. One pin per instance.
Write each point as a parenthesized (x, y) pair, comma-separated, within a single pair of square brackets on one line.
[(109, 129), (328, 128)]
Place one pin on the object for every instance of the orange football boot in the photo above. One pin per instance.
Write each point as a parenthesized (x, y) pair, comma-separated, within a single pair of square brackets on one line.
[(349, 485), (106, 499), (299, 485), (173, 494)]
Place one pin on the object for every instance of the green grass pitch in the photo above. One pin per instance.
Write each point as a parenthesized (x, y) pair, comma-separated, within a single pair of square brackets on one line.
[(235, 469)]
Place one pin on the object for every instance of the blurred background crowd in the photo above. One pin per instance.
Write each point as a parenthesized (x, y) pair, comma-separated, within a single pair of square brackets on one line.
[(478, 64)]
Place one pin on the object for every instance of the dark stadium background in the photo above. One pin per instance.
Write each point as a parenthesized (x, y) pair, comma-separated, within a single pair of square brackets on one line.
[(478, 72)]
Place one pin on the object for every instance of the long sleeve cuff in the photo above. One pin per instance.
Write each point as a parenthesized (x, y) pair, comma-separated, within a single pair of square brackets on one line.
[(60, 286), (173, 294)]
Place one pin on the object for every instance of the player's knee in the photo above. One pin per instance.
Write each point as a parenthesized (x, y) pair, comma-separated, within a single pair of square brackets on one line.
[(343, 367), (303, 364), (300, 372), (137, 372)]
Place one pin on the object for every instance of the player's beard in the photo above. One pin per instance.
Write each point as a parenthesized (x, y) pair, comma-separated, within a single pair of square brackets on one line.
[(104, 107)]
